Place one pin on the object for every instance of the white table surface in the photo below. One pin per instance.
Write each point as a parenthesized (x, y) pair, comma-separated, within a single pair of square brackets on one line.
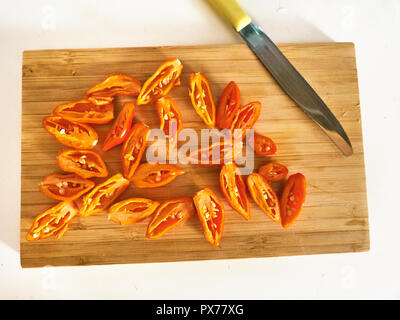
[(372, 25)]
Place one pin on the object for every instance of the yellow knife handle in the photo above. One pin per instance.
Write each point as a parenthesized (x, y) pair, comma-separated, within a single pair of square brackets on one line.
[(233, 11)]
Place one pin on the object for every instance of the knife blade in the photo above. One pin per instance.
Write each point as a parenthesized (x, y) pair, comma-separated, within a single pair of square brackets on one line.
[(286, 75)]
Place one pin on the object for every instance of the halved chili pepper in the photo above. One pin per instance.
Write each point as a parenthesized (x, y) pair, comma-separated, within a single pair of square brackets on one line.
[(262, 145), (246, 117), (161, 82), (228, 106), (85, 111), (71, 133), (216, 154), (85, 163), (273, 171), (292, 198), (149, 175), (211, 214), (53, 221), (114, 84), (202, 99), (169, 215), (65, 186), (132, 210), (264, 196), (170, 120), (133, 148), (234, 189), (103, 195), (120, 128)]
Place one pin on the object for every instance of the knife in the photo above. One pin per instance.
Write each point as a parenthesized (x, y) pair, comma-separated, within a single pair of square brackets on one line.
[(289, 79)]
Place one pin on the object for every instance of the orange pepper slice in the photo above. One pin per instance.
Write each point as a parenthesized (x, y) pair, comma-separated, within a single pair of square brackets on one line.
[(273, 171), (292, 198), (264, 196), (202, 99), (246, 117), (228, 106), (65, 186), (234, 189), (120, 128), (85, 111), (71, 133), (211, 214), (132, 210), (169, 215), (170, 120), (161, 82), (53, 221), (149, 175), (114, 84), (133, 148), (85, 163), (103, 195), (262, 145)]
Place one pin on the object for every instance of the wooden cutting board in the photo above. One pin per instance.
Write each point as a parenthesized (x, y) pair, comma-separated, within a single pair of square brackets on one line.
[(334, 218)]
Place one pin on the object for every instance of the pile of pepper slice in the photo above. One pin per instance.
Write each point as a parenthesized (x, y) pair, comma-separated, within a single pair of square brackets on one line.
[(70, 125)]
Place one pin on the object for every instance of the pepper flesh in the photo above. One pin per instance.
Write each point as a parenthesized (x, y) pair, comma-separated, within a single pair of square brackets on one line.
[(264, 196), (120, 128), (103, 195), (149, 175), (228, 106), (169, 215), (161, 82), (85, 111), (65, 186), (202, 99), (217, 154), (273, 171), (292, 198), (262, 145), (234, 189), (211, 215), (170, 121), (133, 148), (114, 84), (132, 210), (246, 117), (71, 133), (53, 221), (85, 163)]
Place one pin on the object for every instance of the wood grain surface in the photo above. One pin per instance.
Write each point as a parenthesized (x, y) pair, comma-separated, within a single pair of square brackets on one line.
[(334, 218)]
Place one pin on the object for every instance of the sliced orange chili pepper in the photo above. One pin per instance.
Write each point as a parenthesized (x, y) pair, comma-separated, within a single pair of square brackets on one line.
[(65, 186), (202, 99), (114, 84), (132, 210), (169, 215), (53, 221), (216, 154), (85, 111), (161, 82), (228, 106), (170, 120), (264, 196), (262, 145), (234, 189), (133, 148), (71, 133), (292, 199), (149, 175), (211, 214), (103, 195), (120, 128), (273, 171), (85, 163), (246, 117)]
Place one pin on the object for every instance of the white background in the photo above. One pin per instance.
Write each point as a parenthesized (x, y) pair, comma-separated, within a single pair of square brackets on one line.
[(372, 25)]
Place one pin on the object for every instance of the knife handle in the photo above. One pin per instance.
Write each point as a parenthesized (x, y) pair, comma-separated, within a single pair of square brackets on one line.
[(233, 11)]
